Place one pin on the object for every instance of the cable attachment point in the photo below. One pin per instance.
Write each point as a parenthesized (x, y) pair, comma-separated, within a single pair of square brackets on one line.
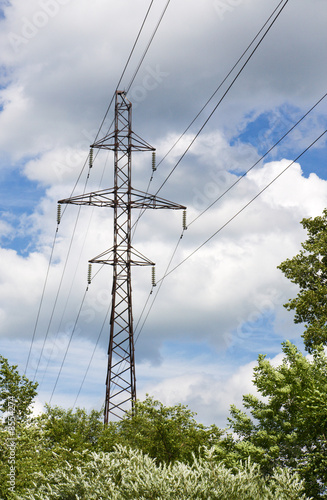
[(89, 275), (59, 214), (184, 220), (154, 276), (154, 168), (91, 158)]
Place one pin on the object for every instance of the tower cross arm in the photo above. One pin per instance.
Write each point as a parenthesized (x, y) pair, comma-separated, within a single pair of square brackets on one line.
[(136, 199), (116, 140), (103, 198), (140, 199)]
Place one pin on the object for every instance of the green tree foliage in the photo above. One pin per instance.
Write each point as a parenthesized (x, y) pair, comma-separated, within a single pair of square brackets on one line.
[(161, 452), (60, 454), (308, 269), (288, 427), (75, 430), (17, 394), (129, 474), (15, 389), (166, 433), (45, 442)]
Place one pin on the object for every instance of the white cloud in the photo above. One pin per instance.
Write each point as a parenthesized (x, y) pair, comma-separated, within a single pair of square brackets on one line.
[(66, 67), (57, 166), (218, 289), (62, 60), (207, 390), (291, 187)]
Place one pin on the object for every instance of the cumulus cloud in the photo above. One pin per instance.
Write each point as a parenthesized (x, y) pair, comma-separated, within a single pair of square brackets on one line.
[(62, 60)]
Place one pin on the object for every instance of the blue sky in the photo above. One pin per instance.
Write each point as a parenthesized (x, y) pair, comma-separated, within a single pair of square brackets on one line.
[(217, 311)]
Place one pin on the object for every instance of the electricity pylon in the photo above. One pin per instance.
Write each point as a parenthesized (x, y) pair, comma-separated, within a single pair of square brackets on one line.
[(121, 380)]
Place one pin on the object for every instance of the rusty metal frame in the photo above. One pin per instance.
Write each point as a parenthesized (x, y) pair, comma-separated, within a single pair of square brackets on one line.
[(121, 379)]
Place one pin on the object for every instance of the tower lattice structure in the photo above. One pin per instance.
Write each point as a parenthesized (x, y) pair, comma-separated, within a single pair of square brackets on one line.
[(121, 379)]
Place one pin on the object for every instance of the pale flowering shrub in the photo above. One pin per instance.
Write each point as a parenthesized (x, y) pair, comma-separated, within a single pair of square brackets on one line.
[(129, 474)]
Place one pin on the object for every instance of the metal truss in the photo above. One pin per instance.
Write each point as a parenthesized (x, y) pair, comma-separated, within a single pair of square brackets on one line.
[(121, 380)]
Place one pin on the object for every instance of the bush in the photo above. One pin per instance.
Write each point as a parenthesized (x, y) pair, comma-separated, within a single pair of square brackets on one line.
[(129, 474)]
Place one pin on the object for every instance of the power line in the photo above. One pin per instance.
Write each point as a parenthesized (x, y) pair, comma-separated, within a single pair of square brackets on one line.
[(65, 307), (200, 132), (139, 64), (133, 78), (78, 179), (113, 96), (245, 206), (260, 159), (224, 95), (158, 289), (128, 88), (147, 47), (56, 298), (191, 145), (212, 96), (92, 356), (213, 203), (60, 284), (43, 292), (219, 86), (124, 71), (167, 273), (68, 345), (41, 301), (76, 183), (71, 286), (219, 102), (96, 344)]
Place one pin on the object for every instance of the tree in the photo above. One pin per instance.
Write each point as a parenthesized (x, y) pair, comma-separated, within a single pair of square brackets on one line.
[(165, 433), (57, 436), (41, 443), (308, 269), (75, 430), (16, 397), (17, 393), (46, 442), (289, 427)]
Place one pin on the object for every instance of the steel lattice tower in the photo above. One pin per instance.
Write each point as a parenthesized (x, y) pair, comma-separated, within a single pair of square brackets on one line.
[(121, 380)]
